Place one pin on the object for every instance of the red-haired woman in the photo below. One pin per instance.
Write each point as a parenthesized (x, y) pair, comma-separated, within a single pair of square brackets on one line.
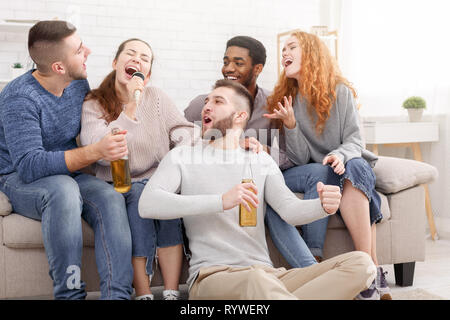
[(314, 106), (150, 127)]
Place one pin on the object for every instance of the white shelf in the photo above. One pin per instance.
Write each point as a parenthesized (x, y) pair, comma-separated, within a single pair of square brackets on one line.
[(400, 132), (15, 26)]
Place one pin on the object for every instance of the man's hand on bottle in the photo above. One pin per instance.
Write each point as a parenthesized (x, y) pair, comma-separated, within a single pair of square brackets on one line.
[(113, 146), (243, 193)]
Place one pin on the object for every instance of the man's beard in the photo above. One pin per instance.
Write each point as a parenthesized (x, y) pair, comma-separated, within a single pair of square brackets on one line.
[(76, 74), (219, 129), (248, 81)]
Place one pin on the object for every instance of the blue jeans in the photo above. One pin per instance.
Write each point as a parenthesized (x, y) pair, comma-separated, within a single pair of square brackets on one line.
[(60, 202), (288, 241), (362, 177), (149, 234), (304, 179), (299, 251)]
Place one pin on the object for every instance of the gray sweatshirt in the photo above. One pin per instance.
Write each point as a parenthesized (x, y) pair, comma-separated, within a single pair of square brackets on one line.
[(201, 174), (341, 135)]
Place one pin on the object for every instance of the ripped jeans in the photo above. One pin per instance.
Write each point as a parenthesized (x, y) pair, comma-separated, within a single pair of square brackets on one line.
[(304, 179), (149, 234)]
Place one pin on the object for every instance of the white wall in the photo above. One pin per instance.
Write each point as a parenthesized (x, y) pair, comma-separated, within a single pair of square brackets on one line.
[(188, 37)]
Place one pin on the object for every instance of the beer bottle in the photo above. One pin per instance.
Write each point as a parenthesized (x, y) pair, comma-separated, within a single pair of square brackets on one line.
[(247, 218), (120, 171)]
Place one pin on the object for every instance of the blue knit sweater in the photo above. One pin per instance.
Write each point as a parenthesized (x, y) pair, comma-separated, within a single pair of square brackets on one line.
[(36, 127)]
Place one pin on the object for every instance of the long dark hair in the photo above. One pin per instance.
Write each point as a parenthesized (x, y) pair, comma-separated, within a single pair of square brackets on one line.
[(106, 93)]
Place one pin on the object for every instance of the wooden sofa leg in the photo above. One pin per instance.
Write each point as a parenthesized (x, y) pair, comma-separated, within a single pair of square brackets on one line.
[(404, 273)]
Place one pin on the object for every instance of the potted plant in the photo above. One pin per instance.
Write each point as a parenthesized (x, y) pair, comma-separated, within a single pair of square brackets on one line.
[(415, 106), (17, 69)]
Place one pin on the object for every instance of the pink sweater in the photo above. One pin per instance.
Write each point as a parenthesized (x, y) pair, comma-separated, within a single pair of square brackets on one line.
[(159, 126)]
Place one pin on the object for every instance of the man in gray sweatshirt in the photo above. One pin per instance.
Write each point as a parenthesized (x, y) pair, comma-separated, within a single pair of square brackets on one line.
[(243, 61), (202, 184)]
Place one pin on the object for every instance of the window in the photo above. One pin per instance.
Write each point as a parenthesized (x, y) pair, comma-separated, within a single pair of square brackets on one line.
[(395, 49)]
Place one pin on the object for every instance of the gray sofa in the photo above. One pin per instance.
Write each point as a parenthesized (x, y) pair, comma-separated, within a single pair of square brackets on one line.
[(400, 235)]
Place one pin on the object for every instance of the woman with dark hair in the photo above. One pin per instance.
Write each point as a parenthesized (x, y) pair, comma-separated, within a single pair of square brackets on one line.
[(152, 127), (314, 106)]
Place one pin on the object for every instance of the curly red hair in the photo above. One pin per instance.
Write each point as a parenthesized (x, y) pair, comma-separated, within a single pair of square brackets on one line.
[(319, 74)]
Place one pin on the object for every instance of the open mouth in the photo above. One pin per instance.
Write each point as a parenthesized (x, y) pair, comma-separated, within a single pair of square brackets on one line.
[(287, 62), (130, 70), (206, 120)]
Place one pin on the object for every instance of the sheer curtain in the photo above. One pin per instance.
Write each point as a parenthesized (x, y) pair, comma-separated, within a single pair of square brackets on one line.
[(391, 50)]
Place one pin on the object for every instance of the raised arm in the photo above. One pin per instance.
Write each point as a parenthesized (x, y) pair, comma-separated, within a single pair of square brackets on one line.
[(159, 199), (297, 148), (296, 211)]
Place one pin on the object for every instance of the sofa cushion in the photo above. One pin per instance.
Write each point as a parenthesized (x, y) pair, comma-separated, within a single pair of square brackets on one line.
[(22, 232), (336, 222), (397, 174), (5, 205)]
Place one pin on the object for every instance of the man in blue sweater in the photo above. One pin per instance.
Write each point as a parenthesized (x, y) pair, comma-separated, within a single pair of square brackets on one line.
[(40, 115)]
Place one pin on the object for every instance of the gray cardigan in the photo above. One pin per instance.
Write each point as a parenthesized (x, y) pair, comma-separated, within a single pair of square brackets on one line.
[(341, 135)]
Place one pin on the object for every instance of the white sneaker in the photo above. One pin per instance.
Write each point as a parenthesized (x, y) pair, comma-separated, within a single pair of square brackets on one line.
[(145, 297), (369, 294), (381, 284), (171, 295)]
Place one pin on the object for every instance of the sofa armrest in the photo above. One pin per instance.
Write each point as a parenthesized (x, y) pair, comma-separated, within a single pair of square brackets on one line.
[(397, 174), (5, 205)]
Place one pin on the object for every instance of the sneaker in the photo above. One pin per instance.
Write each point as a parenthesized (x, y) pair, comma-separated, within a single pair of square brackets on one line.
[(145, 297), (369, 294), (171, 295), (382, 285)]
